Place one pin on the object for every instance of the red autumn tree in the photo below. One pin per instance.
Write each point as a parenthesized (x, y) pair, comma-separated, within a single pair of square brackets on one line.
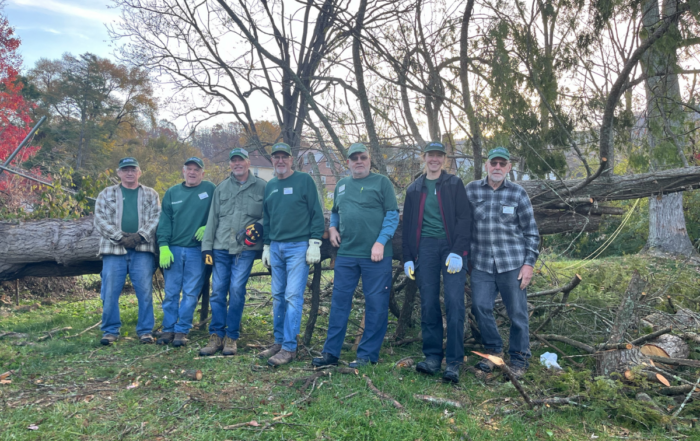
[(15, 110)]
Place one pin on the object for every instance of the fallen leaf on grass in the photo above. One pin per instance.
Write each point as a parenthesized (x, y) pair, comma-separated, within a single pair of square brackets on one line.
[(133, 385), (5, 381)]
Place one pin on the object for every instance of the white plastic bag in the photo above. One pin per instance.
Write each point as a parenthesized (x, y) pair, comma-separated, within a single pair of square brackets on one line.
[(549, 360)]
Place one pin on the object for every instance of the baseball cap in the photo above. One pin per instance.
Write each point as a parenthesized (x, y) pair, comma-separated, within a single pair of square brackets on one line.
[(196, 160), (243, 153), (129, 161), (434, 146), (499, 152), (357, 147), (281, 147)]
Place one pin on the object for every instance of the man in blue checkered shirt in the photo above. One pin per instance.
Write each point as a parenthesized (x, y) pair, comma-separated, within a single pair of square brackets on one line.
[(503, 254)]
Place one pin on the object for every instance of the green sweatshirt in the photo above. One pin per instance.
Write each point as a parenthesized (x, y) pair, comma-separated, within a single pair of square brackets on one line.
[(185, 209), (292, 211)]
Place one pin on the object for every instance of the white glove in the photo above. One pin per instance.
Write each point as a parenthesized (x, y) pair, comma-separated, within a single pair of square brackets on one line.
[(313, 253), (266, 256), (409, 269), (453, 263)]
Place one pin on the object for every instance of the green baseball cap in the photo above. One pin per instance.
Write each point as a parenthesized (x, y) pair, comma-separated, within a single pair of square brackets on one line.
[(195, 160), (499, 152), (281, 147), (129, 161), (357, 147), (243, 153), (434, 146)]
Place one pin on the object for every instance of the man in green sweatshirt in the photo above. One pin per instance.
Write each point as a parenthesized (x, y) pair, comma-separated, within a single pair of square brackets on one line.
[(181, 228), (237, 204), (293, 226)]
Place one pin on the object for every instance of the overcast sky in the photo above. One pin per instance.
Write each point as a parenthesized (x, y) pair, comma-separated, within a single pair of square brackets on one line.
[(49, 28)]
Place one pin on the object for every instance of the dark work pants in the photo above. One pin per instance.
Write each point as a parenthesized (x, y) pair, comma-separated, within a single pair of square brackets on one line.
[(485, 288), (432, 255), (376, 281)]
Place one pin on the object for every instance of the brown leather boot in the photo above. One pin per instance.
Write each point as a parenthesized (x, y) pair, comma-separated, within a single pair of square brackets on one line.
[(215, 345), (230, 347), (269, 352), (282, 357), (180, 339)]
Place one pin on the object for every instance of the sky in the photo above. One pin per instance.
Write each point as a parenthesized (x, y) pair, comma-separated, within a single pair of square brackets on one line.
[(49, 28)]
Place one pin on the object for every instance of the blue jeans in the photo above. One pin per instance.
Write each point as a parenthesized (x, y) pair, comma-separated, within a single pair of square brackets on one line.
[(485, 287), (140, 266), (431, 263), (230, 275), (185, 274), (289, 275), (376, 284)]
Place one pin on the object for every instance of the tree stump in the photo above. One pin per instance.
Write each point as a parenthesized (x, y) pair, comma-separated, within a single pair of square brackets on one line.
[(619, 360)]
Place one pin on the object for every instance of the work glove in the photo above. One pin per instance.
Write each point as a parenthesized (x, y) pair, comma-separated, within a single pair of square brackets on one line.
[(409, 269), (266, 256), (130, 240), (208, 257), (250, 235), (313, 253), (453, 263), (166, 257), (199, 235)]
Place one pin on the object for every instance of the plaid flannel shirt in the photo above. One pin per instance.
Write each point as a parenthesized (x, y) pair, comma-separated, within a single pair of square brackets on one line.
[(504, 229), (108, 219)]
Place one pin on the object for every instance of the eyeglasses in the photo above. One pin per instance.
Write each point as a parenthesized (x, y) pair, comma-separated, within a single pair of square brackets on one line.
[(280, 157), (359, 158), (501, 163)]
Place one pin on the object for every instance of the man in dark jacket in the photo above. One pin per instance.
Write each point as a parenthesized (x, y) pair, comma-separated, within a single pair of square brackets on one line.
[(436, 239)]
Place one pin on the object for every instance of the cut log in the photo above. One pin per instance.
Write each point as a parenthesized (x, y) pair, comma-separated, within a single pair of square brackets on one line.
[(683, 320), (667, 345), (619, 361), (625, 313)]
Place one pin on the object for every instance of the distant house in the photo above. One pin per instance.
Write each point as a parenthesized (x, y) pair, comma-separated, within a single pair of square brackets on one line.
[(260, 166), (327, 178)]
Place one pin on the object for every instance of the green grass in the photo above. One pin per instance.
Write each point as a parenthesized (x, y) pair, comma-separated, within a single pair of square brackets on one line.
[(76, 389)]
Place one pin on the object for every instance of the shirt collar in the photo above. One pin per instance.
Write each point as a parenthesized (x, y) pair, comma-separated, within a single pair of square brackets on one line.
[(485, 182)]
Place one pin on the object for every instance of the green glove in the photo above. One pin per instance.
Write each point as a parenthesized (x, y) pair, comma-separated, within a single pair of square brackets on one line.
[(200, 233), (166, 257)]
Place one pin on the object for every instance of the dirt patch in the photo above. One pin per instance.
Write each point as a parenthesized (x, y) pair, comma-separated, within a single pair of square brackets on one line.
[(47, 290)]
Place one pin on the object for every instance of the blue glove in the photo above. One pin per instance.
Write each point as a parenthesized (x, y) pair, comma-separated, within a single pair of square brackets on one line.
[(409, 270), (453, 263)]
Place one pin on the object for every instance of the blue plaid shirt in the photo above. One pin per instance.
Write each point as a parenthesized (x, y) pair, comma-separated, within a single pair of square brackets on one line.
[(504, 231)]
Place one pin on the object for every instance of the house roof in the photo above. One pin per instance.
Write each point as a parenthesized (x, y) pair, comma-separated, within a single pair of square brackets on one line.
[(258, 160)]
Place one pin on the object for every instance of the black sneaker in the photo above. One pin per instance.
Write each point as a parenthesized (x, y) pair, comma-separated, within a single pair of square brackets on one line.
[(326, 359), (430, 366), (452, 372), (360, 362)]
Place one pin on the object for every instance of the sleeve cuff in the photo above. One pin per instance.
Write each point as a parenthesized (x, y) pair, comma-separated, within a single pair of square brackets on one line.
[(382, 239)]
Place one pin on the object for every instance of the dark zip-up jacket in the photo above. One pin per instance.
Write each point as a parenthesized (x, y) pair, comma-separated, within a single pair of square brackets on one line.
[(454, 208)]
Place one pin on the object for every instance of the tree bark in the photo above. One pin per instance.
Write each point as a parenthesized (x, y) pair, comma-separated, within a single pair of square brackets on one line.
[(315, 300)]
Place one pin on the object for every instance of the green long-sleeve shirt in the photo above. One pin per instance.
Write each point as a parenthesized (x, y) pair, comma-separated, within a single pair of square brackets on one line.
[(184, 210), (291, 210)]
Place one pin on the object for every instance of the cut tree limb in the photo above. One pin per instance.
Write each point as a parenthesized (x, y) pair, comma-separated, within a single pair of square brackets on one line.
[(625, 313), (381, 394)]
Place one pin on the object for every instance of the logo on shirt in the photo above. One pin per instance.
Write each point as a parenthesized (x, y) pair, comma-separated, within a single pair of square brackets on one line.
[(273, 191), (176, 202)]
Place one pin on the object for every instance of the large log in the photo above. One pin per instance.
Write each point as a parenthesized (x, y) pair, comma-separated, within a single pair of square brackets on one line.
[(55, 247)]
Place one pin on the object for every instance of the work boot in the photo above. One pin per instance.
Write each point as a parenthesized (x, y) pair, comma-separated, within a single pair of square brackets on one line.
[(360, 363), (146, 339), (165, 338), (215, 345), (326, 359), (230, 347), (452, 372), (517, 371), (430, 366), (108, 339), (269, 352), (180, 339), (282, 357)]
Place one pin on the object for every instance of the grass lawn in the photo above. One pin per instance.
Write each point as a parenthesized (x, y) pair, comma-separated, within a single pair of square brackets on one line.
[(77, 389)]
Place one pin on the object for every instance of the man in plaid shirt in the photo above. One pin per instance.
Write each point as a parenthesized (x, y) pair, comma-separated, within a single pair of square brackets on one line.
[(503, 254), (126, 216)]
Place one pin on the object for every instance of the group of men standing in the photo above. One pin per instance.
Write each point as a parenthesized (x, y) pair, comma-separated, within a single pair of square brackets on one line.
[(281, 221)]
